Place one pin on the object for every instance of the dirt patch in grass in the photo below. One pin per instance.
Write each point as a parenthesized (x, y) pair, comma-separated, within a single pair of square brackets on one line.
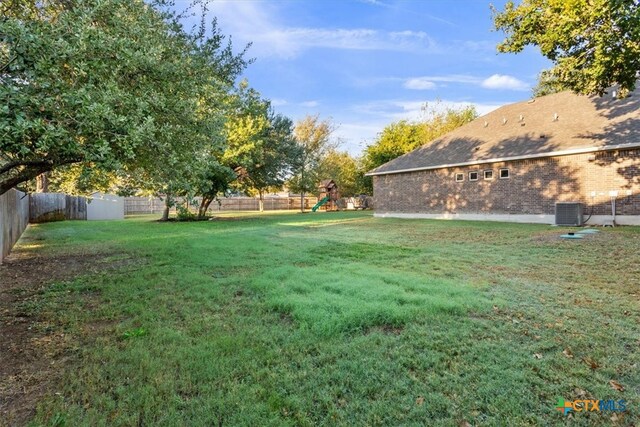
[(385, 329), (31, 349)]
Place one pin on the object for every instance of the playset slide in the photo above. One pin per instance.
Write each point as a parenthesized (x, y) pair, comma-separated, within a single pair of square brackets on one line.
[(320, 203)]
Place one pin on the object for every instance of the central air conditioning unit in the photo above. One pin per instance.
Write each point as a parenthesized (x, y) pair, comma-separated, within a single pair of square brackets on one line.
[(569, 213)]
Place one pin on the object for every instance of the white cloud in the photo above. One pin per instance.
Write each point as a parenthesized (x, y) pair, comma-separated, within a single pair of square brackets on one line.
[(501, 81), (375, 2), (455, 78), (278, 102), (289, 42), (496, 81), (408, 34), (429, 82), (419, 83), (309, 104), (394, 110), (396, 6), (363, 122), (256, 22), (359, 124), (355, 134)]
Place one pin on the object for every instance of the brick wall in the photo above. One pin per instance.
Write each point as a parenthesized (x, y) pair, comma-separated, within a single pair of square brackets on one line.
[(534, 186)]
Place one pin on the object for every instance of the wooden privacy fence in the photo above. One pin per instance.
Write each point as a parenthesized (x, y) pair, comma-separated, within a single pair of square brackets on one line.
[(14, 217), (46, 207), (253, 204), (152, 205), (143, 205), (17, 209)]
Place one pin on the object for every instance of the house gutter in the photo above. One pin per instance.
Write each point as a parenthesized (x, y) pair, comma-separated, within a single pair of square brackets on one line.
[(508, 159)]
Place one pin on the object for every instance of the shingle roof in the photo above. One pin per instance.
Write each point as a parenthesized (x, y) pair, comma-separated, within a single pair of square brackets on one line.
[(549, 125), (326, 183)]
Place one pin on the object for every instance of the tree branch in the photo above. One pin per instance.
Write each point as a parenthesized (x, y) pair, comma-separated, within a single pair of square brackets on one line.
[(25, 163), (31, 169), (24, 175)]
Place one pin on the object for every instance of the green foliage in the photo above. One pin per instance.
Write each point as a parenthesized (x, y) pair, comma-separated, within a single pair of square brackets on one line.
[(594, 44), (111, 84), (82, 179), (211, 182), (34, 9), (401, 137), (183, 213), (343, 169), (547, 84), (261, 147), (396, 139), (313, 138)]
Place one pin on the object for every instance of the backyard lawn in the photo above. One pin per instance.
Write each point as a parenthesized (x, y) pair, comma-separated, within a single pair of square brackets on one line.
[(319, 319)]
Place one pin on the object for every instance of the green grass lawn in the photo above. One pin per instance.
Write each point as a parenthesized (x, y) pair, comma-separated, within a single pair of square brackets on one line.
[(340, 319)]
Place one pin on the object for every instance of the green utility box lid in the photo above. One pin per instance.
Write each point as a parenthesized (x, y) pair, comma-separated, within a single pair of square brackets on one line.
[(572, 236)]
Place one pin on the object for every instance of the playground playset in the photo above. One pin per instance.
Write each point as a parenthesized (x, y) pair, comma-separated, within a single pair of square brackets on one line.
[(328, 197)]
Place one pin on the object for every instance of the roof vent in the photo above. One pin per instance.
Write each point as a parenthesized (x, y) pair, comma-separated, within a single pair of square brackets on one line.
[(504, 120), (614, 94), (486, 123), (555, 117), (521, 118)]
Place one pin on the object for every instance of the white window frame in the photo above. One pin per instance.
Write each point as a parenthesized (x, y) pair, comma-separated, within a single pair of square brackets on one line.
[(461, 175), (477, 175), (484, 174), (508, 173)]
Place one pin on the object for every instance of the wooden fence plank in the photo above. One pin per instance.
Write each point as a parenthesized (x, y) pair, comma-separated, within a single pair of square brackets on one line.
[(150, 205), (14, 217)]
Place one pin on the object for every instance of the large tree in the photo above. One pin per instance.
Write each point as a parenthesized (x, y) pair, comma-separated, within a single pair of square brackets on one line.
[(313, 137), (341, 167), (396, 139), (401, 137), (109, 84), (212, 182), (261, 147), (547, 84), (594, 44), (272, 159)]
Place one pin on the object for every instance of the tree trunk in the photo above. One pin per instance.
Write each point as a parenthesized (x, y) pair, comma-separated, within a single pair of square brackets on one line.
[(167, 207), (42, 183), (204, 207), (302, 191), (261, 200)]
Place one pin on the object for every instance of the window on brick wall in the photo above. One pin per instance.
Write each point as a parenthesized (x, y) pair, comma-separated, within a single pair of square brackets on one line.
[(488, 174), (459, 177), (473, 176), (504, 173)]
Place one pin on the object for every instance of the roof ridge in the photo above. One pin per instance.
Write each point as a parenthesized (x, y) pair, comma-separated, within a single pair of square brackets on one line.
[(558, 122)]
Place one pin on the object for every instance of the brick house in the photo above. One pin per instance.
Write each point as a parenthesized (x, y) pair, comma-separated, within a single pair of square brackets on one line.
[(517, 162)]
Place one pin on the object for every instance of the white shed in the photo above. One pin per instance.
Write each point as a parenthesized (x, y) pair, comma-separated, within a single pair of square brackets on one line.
[(105, 206)]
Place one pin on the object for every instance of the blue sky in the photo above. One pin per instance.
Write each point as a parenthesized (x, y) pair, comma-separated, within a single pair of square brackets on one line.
[(367, 63)]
